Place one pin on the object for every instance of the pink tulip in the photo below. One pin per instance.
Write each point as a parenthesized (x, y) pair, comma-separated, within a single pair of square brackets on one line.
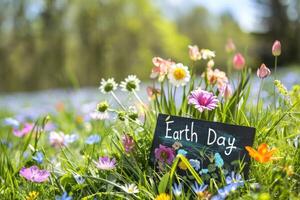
[(276, 48), (238, 61), (263, 71)]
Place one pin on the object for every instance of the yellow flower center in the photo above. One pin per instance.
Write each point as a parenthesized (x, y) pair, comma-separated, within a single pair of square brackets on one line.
[(179, 73)]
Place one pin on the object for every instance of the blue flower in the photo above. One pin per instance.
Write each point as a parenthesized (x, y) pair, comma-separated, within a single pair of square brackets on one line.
[(39, 157), (218, 160), (204, 171), (79, 179), (182, 152), (198, 189), (63, 197), (177, 189), (93, 139), (235, 180), (11, 122), (195, 164), (71, 138)]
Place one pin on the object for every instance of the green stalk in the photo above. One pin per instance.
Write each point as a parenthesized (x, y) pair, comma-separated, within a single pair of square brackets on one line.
[(258, 96), (118, 101), (274, 80)]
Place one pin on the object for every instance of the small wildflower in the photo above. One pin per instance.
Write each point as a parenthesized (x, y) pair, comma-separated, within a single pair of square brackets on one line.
[(179, 75), (276, 48), (262, 155), (182, 165), (128, 143), (71, 138), (218, 160), (235, 179), (195, 164), (199, 189), (106, 163), (34, 174), (11, 122), (177, 189), (263, 71), (203, 100), (27, 128), (79, 179), (194, 52), (108, 85), (182, 152), (93, 139), (131, 83), (102, 106), (39, 157), (238, 61), (132, 113), (163, 196), (207, 54), (57, 139), (64, 196), (32, 195), (130, 188), (164, 154)]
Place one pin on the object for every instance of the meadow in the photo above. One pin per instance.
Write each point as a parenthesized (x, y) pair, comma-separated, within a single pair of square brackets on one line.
[(102, 151)]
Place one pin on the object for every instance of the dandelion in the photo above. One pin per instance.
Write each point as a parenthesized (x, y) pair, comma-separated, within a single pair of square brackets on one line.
[(39, 157), (194, 52), (203, 100), (263, 71), (276, 48), (32, 195), (131, 84), (262, 155), (34, 174), (106, 163), (177, 189), (128, 143), (57, 139), (107, 86), (27, 128), (163, 196), (93, 139), (195, 164), (164, 154), (207, 54), (199, 189), (64, 196), (179, 75), (130, 188), (160, 69), (238, 61), (230, 46)]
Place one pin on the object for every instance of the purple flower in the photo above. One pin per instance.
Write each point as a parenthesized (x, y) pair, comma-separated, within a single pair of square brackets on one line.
[(199, 189), (24, 131), (34, 174), (164, 154), (105, 163), (128, 143), (203, 100)]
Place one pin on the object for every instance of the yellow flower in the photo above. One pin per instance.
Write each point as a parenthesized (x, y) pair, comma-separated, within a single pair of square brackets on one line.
[(163, 196), (179, 75), (32, 195), (182, 166)]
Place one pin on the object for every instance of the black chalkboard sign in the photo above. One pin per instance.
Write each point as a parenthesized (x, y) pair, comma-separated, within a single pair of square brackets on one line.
[(210, 146)]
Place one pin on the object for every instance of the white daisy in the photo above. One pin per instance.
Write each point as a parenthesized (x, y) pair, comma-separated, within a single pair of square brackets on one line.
[(97, 115), (108, 85), (131, 83), (179, 75), (130, 188), (207, 54)]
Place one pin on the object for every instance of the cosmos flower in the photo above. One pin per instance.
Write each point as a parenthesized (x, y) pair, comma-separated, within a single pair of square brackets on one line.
[(93, 139), (238, 61), (262, 155), (195, 164), (57, 139), (263, 71), (163, 196), (179, 75), (106, 163), (130, 188), (164, 154), (27, 128), (276, 48), (130, 84), (160, 69), (64, 196), (108, 85), (128, 143), (207, 54), (39, 157), (203, 100), (194, 52), (34, 174), (177, 189)]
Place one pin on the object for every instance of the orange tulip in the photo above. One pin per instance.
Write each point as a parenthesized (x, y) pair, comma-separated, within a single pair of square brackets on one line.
[(262, 155)]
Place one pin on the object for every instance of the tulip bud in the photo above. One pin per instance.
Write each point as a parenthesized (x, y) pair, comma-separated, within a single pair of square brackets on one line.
[(238, 61), (276, 48), (194, 53), (263, 71), (230, 46), (226, 91)]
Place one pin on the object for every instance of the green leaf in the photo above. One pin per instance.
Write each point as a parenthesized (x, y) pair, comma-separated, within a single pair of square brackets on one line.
[(163, 183)]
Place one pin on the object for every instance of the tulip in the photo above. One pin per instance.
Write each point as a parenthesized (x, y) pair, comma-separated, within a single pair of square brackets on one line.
[(276, 48), (194, 53), (230, 46), (263, 71), (238, 61)]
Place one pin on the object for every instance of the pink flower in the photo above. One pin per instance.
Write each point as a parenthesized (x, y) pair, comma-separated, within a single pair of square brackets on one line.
[(276, 48), (57, 139), (263, 71), (230, 46), (128, 143), (105, 163), (203, 100), (160, 69), (226, 91), (24, 131), (238, 61), (164, 154), (34, 174), (152, 92), (194, 52), (216, 76)]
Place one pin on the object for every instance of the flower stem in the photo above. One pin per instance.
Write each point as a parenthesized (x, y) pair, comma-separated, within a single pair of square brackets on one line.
[(117, 100), (275, 70), (258, 97)]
